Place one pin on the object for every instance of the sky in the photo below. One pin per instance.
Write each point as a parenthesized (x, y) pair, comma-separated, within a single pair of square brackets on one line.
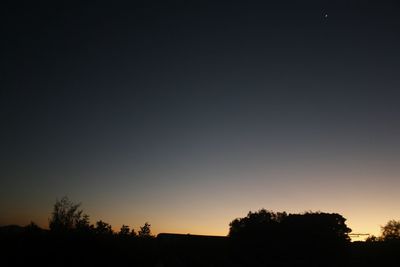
[(189, 114)]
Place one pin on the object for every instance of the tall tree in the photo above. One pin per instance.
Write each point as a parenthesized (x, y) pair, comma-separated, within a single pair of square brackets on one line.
[(67, 216)]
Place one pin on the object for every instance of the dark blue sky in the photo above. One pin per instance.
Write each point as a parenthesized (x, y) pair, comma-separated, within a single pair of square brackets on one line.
[(190, 114)]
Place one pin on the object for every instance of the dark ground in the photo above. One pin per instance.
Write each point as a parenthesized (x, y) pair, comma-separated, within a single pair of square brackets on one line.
[(22, 247)]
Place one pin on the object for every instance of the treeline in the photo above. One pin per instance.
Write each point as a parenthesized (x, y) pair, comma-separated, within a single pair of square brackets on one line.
[(68, 218), (305, 239), (262, 238), (72, 240), (266, 238)]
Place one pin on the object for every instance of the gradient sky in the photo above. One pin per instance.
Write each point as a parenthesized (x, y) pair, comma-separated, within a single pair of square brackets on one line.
[(188, 115)]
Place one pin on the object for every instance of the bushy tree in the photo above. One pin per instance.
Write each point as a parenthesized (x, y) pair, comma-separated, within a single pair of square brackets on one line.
[(391, 231), (264, 225), (103, 228), (314, 226), (256, 223), (372, 238), (305, 238), (124, 231), (67, 216), (145, 230), (84, 223)]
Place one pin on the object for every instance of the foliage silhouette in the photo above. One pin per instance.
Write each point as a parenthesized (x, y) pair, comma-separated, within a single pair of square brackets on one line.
[(67, 216), (124, 231), (262, 238), (305, 238), (133, 233), (259, 223), (103, 228), (32, 227), (391, 231), (145, 230), (268, 225), (372, 238)]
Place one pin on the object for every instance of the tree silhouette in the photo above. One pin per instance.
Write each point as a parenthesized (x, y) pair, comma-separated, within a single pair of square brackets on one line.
[(391, 231), (67, 216), (145, 230), (305, 238), (318, 227), (103, 228), (268, 225), (372, 238), (124, 231), (32, 227), (262, 222), (83, 225), (133, 233)]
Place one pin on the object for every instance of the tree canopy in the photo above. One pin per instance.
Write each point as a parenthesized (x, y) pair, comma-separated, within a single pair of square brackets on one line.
[(280, 226), (145, 230), (103, 228), (391, 231), (67, 216)]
